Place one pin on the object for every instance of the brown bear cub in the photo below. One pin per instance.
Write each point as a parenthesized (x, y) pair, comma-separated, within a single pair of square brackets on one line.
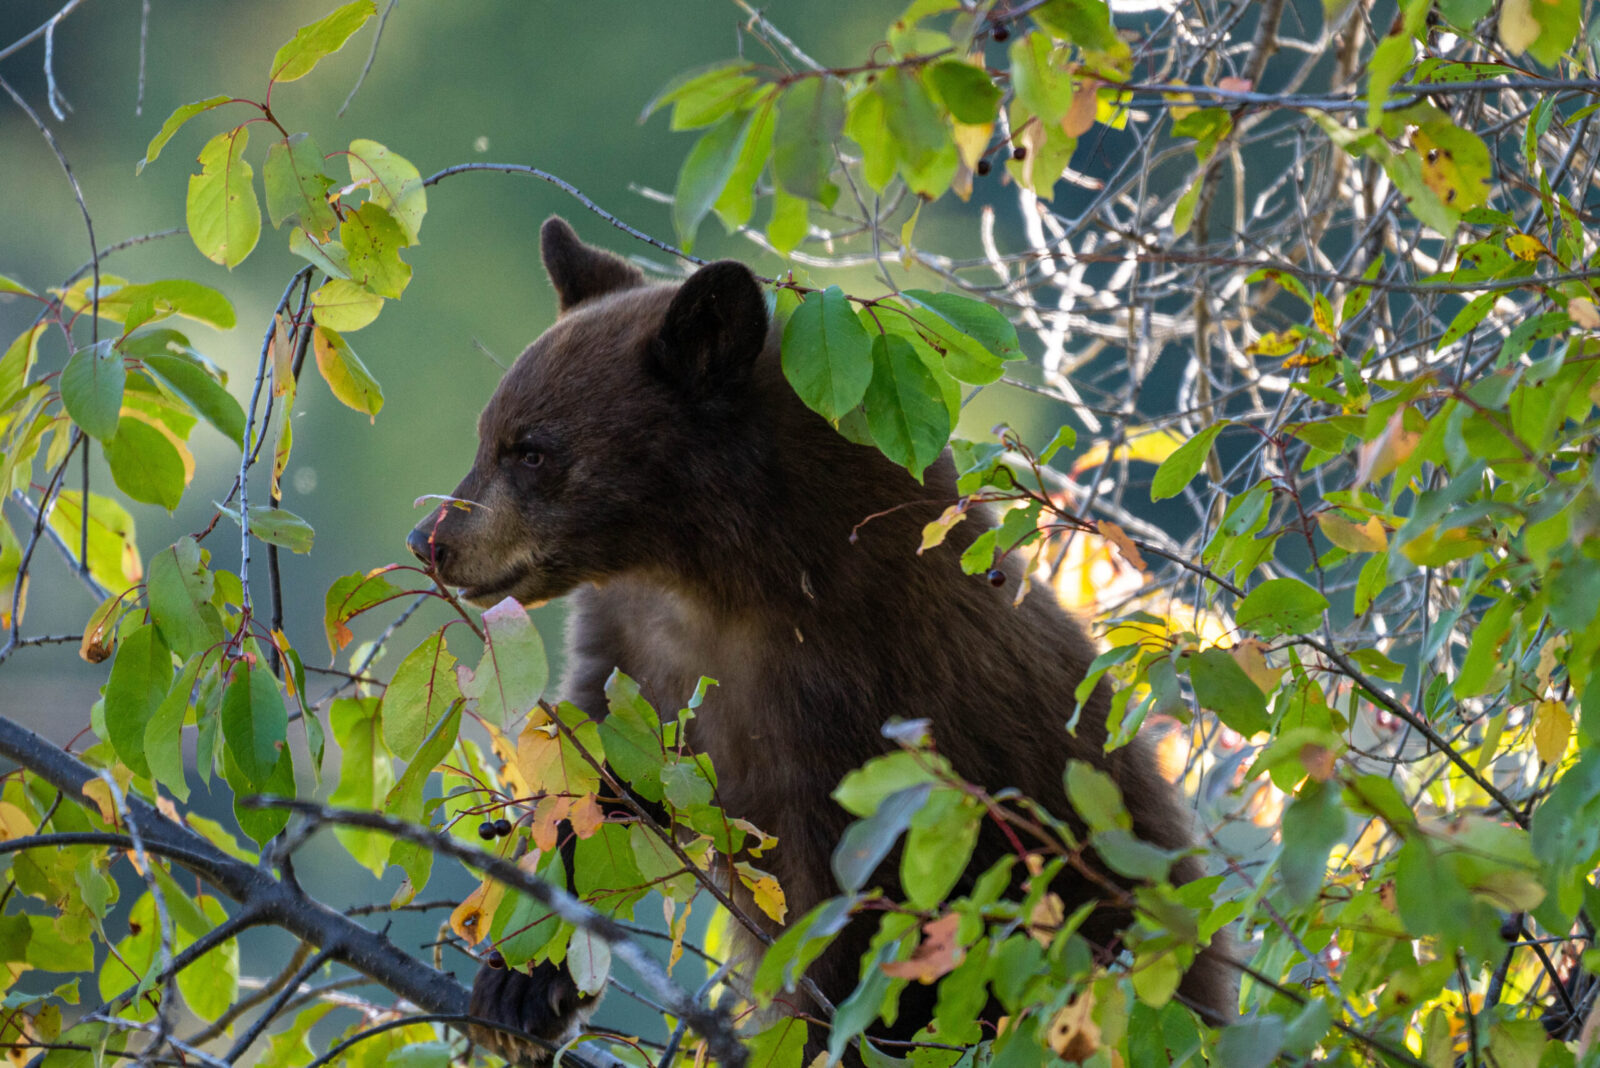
[(646, 455)]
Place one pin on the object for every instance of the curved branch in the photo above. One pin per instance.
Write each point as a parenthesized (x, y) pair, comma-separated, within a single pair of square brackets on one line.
[(712, 1024), (273, 901)]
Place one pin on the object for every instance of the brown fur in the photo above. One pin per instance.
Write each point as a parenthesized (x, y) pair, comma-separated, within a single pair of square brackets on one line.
[(701, 516)]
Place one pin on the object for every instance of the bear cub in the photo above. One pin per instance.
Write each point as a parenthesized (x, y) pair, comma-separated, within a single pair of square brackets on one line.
[(647, 456)]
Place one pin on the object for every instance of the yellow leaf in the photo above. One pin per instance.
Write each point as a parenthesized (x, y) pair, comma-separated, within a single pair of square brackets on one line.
[(14, 823), (1274, 344), (1368, 537), (1583, 313), (1518, 27), (971, 141), (470, 920), (677, 925), (1322, 315), (1046, 919), (1387, 451), (283, 338), (547, 816), (1079, 118), (99, 636), (1119, 537), (586, 816), (935, 532), (1251, 657), (769, 898), (1074, 1036), (1150, 444), (98, 791), (1526, 247), (1552, 729)]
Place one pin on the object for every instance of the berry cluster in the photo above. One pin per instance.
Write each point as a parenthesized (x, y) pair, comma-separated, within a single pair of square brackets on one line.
[(489, 830)]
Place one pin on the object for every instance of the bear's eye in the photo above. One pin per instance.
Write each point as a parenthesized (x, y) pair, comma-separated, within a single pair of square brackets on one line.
[(530, 456)]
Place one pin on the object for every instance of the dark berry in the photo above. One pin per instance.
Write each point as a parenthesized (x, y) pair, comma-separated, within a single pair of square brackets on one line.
[(486, 831), (996, 577), (1019, 153), (502, 827), (1001, 33), (493, 959), (982, 168), (1511, 927)]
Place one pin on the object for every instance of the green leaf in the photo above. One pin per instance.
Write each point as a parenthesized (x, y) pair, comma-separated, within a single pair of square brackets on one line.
[(861, 791), (905, 406), (179, 588), (210, 984), (1131, 856), (163, 735), (1221, 685), (91, 386), (391, 182), (255, 724), (705, 173), (1085, 23), (737, 202), (1281, 606), (942, 837), (141, 677), (170, 296), (631, 736), (373, 238), (810, 119), (972, 319), (188, 378), (1312, 825), (702, 96), (347, 598), (422, 692), (174, 122), (405, 800), (339, 304), (261, 824), (1095, 797), (328, 257), (222, 212), (912, 118), (1543, 28), (318, 39), (366, 775), (282, 528), (513, 672), (145, 464), (867, 842), (782, 1045), (296, 188), (1177, 470), (966, 90), (827, 356), (1042, 86), (790, 222), (867, 125)]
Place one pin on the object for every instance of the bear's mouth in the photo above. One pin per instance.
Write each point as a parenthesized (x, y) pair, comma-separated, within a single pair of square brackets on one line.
[(489, 594)]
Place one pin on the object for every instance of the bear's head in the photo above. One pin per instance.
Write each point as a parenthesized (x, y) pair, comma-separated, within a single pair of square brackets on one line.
[(612, 425)]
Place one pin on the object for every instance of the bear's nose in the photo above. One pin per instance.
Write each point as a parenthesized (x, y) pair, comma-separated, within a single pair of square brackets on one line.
[(424, 547)]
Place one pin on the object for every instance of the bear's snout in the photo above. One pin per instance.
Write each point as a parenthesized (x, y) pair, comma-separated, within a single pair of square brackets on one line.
[(424, 546)]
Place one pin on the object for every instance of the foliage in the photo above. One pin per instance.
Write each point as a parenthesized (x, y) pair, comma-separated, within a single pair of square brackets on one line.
[(1347, 336)]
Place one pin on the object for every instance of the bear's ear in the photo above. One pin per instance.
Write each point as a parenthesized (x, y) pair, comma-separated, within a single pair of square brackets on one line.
[(715, 327), (580, 271)]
